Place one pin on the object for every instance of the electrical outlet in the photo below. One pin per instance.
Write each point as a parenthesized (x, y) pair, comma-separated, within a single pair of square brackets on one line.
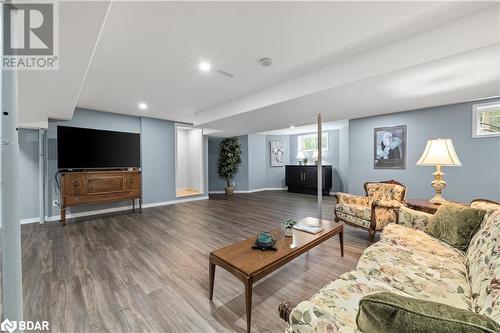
[(55, 203)]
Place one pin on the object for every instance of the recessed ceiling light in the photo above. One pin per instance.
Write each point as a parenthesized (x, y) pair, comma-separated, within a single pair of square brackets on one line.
[(292, 127), (143, 106), (204, 66)]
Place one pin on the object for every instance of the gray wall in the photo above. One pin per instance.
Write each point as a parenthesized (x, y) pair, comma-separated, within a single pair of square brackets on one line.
[(257, 164), (256, 171), (331, 156), (479, 175), (28, 164), (157, 159), (343, 167), (240, 180), (275, 176)]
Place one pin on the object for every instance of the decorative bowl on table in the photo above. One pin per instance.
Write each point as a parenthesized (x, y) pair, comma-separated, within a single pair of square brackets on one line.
[(265, 241)]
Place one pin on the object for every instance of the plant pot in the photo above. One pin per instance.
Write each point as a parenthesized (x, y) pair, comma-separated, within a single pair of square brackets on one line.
[(288, 232), (229, 190)]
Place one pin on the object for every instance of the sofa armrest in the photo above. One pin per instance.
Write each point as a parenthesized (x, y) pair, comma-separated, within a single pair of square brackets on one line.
[(387, 204), (285, 310), (346, 198), (306, 317), (413, 218)]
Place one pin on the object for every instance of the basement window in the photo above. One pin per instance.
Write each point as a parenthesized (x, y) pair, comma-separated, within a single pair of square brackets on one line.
[(309, 142), (486, 120)]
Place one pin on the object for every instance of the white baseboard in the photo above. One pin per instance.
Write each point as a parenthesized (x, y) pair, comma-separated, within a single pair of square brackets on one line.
[(32, 220), (252, 191), (172, 202), (266, 189), (111, 210)]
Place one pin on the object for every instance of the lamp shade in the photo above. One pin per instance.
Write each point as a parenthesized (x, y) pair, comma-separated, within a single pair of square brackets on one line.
[(315, 155), (439, 152), (300, 155)]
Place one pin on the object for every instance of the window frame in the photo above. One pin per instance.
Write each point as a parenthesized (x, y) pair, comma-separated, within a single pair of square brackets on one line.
[(476, 113), (324, 142)]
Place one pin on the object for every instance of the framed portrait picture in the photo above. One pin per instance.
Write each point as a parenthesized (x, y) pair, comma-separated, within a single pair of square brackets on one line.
[(277, 153), (389, 147)]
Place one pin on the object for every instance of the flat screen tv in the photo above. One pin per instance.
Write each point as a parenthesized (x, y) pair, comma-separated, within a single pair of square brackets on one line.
[(83, 148)]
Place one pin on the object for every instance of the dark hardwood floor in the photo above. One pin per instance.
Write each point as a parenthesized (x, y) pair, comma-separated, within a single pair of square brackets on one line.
[(149, 272)]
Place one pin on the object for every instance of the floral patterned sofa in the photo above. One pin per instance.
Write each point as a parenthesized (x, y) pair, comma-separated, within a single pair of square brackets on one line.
[(373, 211), (410, 262)]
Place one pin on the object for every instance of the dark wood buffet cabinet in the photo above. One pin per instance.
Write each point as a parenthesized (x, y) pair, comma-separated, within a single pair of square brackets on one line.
[(87, 187), (304, 179)]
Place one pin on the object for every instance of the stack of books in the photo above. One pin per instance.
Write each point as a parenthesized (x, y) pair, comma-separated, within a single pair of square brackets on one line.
[(312, 229)]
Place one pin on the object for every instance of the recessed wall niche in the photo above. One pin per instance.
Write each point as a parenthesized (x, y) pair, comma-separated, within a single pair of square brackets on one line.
[(189, 161)]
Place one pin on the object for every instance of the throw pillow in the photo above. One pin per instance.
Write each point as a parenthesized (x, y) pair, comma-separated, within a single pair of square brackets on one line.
[(455, 224), (392, 313)]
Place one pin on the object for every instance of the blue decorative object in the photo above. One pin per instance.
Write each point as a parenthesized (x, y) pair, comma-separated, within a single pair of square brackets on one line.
[(265, 241)]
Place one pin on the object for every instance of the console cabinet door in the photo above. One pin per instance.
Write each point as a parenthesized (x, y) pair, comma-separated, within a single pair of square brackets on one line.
[(304, 179)]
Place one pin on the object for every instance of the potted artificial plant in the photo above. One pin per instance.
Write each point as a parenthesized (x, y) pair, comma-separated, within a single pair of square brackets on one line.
[(229, 161), (287, 225)]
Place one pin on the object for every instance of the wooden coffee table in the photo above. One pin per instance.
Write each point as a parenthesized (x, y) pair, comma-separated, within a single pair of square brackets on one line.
[(250, 265)]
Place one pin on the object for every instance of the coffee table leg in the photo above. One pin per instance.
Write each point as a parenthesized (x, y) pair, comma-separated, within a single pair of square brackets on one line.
[(248, 300), (211, 278), (341, 239)]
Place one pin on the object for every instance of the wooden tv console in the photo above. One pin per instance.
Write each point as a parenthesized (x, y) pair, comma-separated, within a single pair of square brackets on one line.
[(89, 187)]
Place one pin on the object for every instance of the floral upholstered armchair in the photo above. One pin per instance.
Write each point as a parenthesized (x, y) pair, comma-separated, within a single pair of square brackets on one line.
[(373, 211)]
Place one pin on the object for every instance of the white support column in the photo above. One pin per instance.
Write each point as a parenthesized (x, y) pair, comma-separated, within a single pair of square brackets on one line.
[(320, 167), (10, 216), (11, 225), (41, 175)]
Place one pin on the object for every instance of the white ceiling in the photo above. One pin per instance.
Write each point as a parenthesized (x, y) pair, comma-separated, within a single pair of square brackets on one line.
[(347, 59), (325, 126), (54, 94), (450, 80)]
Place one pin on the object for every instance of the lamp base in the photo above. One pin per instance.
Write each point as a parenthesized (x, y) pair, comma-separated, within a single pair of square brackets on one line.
[(438, 199), (438, 184)]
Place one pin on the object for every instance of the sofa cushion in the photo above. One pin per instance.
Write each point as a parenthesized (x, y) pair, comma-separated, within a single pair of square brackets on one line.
[(491, 305), (455, 224), (392, 313), (419, 240), (351, 199), (482, 258), (308, 318), (363, 212), (418, 265), (354, 220), (339, 299)]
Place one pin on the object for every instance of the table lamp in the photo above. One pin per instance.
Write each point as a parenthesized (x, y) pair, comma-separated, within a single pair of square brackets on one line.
[(439, 153), (300, 157), (315, 157)]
